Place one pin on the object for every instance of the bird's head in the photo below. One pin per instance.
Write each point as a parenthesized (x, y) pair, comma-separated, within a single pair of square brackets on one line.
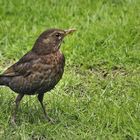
[(50, 40)]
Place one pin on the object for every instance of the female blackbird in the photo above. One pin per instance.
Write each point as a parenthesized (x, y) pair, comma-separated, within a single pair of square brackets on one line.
[(39, 70)]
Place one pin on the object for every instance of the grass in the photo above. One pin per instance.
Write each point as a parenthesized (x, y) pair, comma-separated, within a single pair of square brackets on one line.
[(98, 96)]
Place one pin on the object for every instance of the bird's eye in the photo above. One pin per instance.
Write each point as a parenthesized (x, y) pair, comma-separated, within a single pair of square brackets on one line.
[(57, 35)]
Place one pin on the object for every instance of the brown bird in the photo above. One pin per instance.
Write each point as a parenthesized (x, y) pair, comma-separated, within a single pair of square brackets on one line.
[(39, 70)]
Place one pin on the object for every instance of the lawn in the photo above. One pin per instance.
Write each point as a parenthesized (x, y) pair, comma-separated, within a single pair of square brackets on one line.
[(99, 94)]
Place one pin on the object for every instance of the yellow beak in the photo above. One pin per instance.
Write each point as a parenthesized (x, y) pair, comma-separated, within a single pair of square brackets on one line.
[(69, 31)]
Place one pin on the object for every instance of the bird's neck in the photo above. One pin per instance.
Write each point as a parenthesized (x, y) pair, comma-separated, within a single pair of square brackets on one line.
[(44, 49)]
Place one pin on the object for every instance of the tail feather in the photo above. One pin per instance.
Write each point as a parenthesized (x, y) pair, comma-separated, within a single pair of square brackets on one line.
[(4, 80)]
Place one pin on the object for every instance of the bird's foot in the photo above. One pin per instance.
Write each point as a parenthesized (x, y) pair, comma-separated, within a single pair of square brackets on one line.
[(52, 121), (13, 120)]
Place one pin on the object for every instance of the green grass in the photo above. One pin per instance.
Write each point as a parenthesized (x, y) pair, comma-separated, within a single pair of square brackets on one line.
[(99, 94)]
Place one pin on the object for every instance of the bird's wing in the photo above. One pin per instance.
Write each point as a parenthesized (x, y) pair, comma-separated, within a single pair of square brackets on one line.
[(22, 67)]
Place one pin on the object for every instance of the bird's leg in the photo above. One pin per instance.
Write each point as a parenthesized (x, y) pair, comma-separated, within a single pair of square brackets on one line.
[(40, 98), (17, 101)]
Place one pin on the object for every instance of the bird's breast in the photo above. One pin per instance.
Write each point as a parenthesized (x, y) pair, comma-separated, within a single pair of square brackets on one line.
[(56, 62), (51, 69)]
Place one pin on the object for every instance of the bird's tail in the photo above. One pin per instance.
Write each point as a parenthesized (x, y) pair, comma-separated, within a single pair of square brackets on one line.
[(4, 80)]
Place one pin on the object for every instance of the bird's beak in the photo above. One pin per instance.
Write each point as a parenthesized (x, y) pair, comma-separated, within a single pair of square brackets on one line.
[(69, 31)]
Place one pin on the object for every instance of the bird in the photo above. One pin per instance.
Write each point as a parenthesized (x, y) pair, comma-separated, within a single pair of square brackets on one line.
[(39, 70)]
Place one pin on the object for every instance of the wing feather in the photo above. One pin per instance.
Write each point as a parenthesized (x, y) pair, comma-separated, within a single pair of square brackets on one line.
[(22, 67)]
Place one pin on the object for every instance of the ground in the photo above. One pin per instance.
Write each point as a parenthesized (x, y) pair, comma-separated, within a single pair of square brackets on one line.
[(99, 94)]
